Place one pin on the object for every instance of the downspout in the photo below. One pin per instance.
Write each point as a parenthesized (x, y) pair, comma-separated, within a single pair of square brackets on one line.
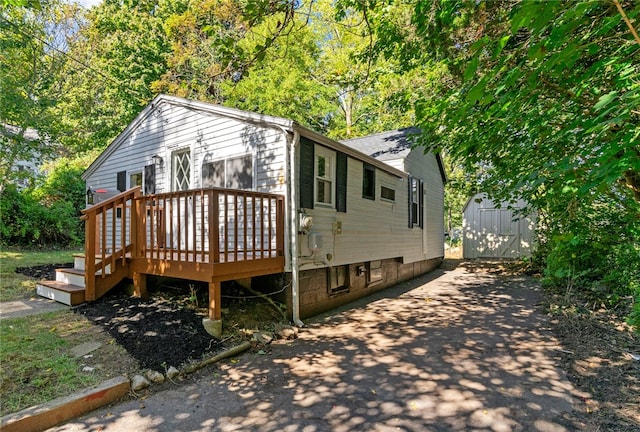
[(293, 225)]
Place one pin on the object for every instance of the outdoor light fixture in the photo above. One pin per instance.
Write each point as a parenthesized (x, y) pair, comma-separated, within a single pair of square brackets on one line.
[(157, 160), (90, 196)]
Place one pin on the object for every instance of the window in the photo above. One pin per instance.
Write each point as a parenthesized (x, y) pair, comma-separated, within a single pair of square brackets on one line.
[(369, 182), (387, 193), (234, 173), (181, 166), (415, 202), (337, 279), (375, 272), (135, 179), (324, 175)]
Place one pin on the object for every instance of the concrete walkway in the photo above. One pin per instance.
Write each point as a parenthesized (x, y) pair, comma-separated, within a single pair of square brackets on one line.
[(451, 351), (26, 307)]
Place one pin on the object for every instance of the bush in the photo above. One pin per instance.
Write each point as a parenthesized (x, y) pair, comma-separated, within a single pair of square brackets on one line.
[(47, 215), (596, 254)]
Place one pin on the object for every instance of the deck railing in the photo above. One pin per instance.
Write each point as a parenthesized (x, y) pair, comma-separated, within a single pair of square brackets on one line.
[(210, 226), (109, 229)]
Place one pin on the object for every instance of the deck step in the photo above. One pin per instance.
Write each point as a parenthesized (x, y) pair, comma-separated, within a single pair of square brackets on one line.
[(61, 292), (79, 263), (70, 276)]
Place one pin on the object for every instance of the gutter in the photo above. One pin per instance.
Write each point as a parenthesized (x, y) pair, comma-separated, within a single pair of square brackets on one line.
[(290, 151), (293, 227)]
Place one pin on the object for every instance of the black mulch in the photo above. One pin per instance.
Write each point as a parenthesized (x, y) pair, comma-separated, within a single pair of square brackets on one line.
[(158, 332)]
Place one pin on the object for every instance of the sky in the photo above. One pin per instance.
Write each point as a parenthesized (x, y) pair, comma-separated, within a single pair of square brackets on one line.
[(88, 3)]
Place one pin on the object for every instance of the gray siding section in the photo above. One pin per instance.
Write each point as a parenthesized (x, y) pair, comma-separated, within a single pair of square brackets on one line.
[(170, 128), (378, 229)]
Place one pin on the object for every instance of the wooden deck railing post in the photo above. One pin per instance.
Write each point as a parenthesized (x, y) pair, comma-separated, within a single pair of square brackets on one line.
[(214, 229), (90, 256), (280, 227)]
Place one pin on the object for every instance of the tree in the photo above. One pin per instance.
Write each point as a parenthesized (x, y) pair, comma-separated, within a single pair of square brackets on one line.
[(121, 50), (544, 104), (31, 44)]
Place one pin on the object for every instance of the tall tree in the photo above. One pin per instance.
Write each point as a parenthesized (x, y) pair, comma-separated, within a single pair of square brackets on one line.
[(32, 44), (121, 51)]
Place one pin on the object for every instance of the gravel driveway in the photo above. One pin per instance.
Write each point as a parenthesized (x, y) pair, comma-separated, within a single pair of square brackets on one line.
[(451, 351)]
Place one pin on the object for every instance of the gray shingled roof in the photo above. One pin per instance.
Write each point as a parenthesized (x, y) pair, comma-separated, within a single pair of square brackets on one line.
[(386, 145)]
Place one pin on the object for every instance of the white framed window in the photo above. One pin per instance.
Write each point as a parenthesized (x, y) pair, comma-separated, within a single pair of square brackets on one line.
[(135, 179), (416, 213), (387, 193), (181, 170), (325, 174), (234, 173)]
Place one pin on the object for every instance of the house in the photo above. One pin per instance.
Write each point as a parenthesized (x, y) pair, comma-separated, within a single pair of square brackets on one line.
[(496, 231), (210, 193), (22, 158)]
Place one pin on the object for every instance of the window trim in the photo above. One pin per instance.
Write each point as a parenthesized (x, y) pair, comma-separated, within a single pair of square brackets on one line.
[(174, 169), (134, 173), (225, 161), (368, 169), (330, 155), (385, 199), (417, 219)]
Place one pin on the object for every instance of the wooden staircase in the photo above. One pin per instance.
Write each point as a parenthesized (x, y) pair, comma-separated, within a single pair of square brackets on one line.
[(69, 286)]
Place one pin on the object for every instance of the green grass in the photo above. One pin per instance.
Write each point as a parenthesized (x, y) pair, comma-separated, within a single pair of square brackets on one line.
[(35, 361), (15, 286)]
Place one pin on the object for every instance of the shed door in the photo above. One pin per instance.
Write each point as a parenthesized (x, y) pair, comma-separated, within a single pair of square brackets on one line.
[(498, 234)]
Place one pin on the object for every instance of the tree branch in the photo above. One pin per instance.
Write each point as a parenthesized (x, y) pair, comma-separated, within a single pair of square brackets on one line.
[(626, 20)]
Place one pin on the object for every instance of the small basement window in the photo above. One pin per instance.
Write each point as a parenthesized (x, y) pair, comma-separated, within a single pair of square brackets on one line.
[(387, 193), (375, 272), (337, 280)]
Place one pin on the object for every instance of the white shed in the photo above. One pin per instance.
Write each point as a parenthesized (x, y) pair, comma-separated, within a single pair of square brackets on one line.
[(492, 231)]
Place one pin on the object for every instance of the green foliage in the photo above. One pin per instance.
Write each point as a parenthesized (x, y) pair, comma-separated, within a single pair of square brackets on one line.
[(47, 215), (542, 103), (27, 222)]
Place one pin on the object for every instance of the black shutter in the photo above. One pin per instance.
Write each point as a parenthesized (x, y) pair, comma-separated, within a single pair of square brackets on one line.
[(306, 178), (122, 181), (410, 201), (341, 182), (421, 205), (150, 179)]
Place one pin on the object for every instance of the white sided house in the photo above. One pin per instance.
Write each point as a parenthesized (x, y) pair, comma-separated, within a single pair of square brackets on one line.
[(204, 192), (491, 231)]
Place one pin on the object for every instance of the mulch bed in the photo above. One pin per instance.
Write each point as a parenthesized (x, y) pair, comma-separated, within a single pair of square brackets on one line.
[(158, 332)]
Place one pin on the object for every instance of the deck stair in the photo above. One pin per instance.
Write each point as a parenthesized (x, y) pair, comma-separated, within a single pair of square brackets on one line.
[(69, 286)]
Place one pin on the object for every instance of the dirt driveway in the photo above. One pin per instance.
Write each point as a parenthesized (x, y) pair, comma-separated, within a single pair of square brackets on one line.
[(452, 350)]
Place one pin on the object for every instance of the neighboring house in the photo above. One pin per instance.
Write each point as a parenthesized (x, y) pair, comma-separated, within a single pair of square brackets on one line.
[(221, 194), (491, 231), (23, 161)]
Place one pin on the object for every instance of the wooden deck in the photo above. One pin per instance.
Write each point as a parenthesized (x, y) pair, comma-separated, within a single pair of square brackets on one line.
[(209, 235)]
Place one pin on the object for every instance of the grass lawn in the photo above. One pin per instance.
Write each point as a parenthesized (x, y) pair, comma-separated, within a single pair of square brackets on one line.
[(36, 362), (14, 286)]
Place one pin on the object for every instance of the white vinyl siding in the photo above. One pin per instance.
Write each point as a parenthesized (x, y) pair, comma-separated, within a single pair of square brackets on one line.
[(169, 127)]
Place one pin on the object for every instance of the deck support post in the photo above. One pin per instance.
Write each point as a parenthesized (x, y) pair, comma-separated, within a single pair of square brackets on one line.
[(213, 324), (140, 285)]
